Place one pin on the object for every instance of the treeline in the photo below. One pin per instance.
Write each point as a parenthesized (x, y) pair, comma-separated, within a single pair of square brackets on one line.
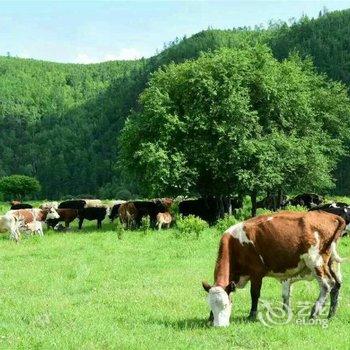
[(60, 122)]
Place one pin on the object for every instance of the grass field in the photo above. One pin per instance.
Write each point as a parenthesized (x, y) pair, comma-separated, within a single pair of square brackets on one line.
[(91, 290)]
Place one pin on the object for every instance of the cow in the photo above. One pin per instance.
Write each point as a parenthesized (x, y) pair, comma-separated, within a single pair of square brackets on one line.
[(65, 215), (288, 246), (48, 205), (337, 208), (73, 204), (15, 220), (127, 214), (114, 209), (21, 206), (308, 200), (163, 219), (92, 214), (148, 208)]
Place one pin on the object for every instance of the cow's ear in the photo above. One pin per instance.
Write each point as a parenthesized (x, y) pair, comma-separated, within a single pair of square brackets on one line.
[(231, 287), (206, 286)]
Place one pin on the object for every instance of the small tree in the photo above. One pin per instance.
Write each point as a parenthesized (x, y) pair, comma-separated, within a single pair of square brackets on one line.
[(19, 186)]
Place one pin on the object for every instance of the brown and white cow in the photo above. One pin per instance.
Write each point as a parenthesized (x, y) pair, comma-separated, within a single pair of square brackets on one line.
[(16, 220), (289, 246)]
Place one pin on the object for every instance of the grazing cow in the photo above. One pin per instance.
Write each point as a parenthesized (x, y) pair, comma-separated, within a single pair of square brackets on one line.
[(65, 215), (127, 214), (21, 206), (73, 204), (308, 200), (337, 208), (289, 246), (163, 219), (16, 219), (48, 205), (92, 214)]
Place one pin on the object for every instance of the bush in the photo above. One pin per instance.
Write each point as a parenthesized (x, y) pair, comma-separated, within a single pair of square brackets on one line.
[(295, 208), (190, 225), (145, 224), (119, 228), (19, 186), (227, 221)]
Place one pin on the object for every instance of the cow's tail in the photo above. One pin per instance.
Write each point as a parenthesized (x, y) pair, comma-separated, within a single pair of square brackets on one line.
[(338, 233)]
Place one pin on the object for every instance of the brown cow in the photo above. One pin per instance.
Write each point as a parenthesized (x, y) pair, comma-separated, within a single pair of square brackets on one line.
[(65, 215), (289, 246), (163, 219), (127, 214)]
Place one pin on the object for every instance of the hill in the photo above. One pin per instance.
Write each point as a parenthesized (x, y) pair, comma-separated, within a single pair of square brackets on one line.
[(60, 122)]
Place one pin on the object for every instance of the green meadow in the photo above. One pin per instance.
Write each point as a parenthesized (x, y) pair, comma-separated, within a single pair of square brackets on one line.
[(142, 290)]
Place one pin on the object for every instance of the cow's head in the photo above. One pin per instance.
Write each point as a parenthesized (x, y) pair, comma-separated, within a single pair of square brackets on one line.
[(219, 303), (52, 214)]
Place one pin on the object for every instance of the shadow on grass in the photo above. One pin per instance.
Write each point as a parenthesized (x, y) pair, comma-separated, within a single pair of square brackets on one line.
[(197, 323)]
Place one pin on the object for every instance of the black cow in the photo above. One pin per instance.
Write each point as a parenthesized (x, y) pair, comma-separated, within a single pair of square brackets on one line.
[(114, 211), (209, 209), (308, 200), (92, 214), (21, 206), (149, 208), (73, 204), (337, 208)]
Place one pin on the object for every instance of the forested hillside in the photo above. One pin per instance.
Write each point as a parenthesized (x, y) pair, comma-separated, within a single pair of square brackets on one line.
[(60, 122)]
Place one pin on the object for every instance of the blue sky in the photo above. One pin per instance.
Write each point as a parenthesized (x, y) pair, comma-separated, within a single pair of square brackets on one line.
[(95, 31)]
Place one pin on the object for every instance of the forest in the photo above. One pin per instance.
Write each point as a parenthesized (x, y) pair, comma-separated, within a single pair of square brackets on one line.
[(60, 123)]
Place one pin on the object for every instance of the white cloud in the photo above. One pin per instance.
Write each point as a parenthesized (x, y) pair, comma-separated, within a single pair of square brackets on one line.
[(124, 54)]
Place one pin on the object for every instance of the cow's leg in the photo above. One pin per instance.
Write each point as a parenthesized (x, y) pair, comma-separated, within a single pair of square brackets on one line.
[(336, 274), (81, 219), (168, 226), (325, 288), (255, 287), (286, 289), (99, 223), (159, 226)]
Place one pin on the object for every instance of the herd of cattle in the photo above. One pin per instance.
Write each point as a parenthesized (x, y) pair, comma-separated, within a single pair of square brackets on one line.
[(23, 217)]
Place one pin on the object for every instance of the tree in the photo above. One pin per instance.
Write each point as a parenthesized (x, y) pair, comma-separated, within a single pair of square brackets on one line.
[(236, 121), (19, 186)]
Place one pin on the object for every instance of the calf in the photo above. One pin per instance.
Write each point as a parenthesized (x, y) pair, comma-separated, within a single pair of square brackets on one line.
[(92, 214), (163, 219), (34, 227), (65, 215), (114, 211), (288, 246)]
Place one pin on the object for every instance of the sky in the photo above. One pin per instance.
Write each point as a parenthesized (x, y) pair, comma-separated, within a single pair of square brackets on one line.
[(96, 31)]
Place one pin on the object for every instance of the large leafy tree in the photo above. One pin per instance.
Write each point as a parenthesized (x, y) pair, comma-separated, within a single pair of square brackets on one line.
[(236, 121)]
